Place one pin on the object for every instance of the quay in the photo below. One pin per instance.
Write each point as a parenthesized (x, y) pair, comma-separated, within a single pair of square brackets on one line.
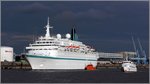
[(24, 65), (15, 65)]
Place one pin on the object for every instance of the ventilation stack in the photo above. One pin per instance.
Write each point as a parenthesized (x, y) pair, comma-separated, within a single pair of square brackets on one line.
[(74, 36)]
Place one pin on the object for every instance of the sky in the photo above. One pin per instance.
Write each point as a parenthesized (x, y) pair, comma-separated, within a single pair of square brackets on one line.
[(105, 25)]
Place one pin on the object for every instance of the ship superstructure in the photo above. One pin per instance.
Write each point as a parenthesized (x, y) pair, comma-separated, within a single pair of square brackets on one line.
[(55, 52)]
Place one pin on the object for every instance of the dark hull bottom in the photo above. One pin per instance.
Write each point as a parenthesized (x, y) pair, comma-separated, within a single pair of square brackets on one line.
[(57, 70)]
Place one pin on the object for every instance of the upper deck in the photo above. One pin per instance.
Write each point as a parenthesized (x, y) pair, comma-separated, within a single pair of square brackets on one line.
[(55, 42)]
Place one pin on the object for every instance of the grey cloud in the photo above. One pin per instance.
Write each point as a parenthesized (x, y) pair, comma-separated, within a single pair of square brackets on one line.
[(66, 15), (33, 8), (15, 37), (3, 34), (91, 14), (95, 14), (23, 37)]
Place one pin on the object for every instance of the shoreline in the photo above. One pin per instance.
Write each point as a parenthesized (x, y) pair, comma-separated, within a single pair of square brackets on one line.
[(22, 65)]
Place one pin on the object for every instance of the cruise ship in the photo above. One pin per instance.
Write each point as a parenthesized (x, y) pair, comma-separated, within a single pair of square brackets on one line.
[(55, 52)]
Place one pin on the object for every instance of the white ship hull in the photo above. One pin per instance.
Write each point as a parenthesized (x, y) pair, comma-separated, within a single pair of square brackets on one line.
[(48, 62)]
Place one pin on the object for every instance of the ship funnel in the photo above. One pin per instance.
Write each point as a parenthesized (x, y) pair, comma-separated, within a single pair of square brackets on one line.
[(74, 36)]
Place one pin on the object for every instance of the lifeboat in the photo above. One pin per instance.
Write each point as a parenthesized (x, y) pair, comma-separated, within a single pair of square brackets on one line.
[(90, 67)]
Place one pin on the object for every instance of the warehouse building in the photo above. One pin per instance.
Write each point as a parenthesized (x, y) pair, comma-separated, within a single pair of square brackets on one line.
[(6, 54)]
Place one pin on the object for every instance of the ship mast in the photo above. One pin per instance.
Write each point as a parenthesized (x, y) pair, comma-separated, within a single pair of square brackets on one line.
[(48, 29)]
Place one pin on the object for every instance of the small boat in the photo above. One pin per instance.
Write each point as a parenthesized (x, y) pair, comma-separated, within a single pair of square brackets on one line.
[(129, 66)]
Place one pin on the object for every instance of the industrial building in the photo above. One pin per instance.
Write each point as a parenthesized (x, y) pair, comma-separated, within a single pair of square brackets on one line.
[(115, 57), (6, 54)]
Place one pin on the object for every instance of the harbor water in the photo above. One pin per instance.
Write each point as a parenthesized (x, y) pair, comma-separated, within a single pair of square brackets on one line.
[(103, 75)]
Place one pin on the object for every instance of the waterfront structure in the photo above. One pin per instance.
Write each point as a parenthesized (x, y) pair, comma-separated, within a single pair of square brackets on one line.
[(110, 55), (55, 52), (6, 54), (116, 57)]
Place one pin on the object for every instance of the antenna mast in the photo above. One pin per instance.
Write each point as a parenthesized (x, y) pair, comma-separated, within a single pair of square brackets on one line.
[(48, 29)]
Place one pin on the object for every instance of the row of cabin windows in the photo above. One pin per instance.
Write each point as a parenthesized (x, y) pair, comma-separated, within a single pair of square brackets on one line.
[(46, 39), (46, 49), (77, 50), (47, 45), (45, 42)]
